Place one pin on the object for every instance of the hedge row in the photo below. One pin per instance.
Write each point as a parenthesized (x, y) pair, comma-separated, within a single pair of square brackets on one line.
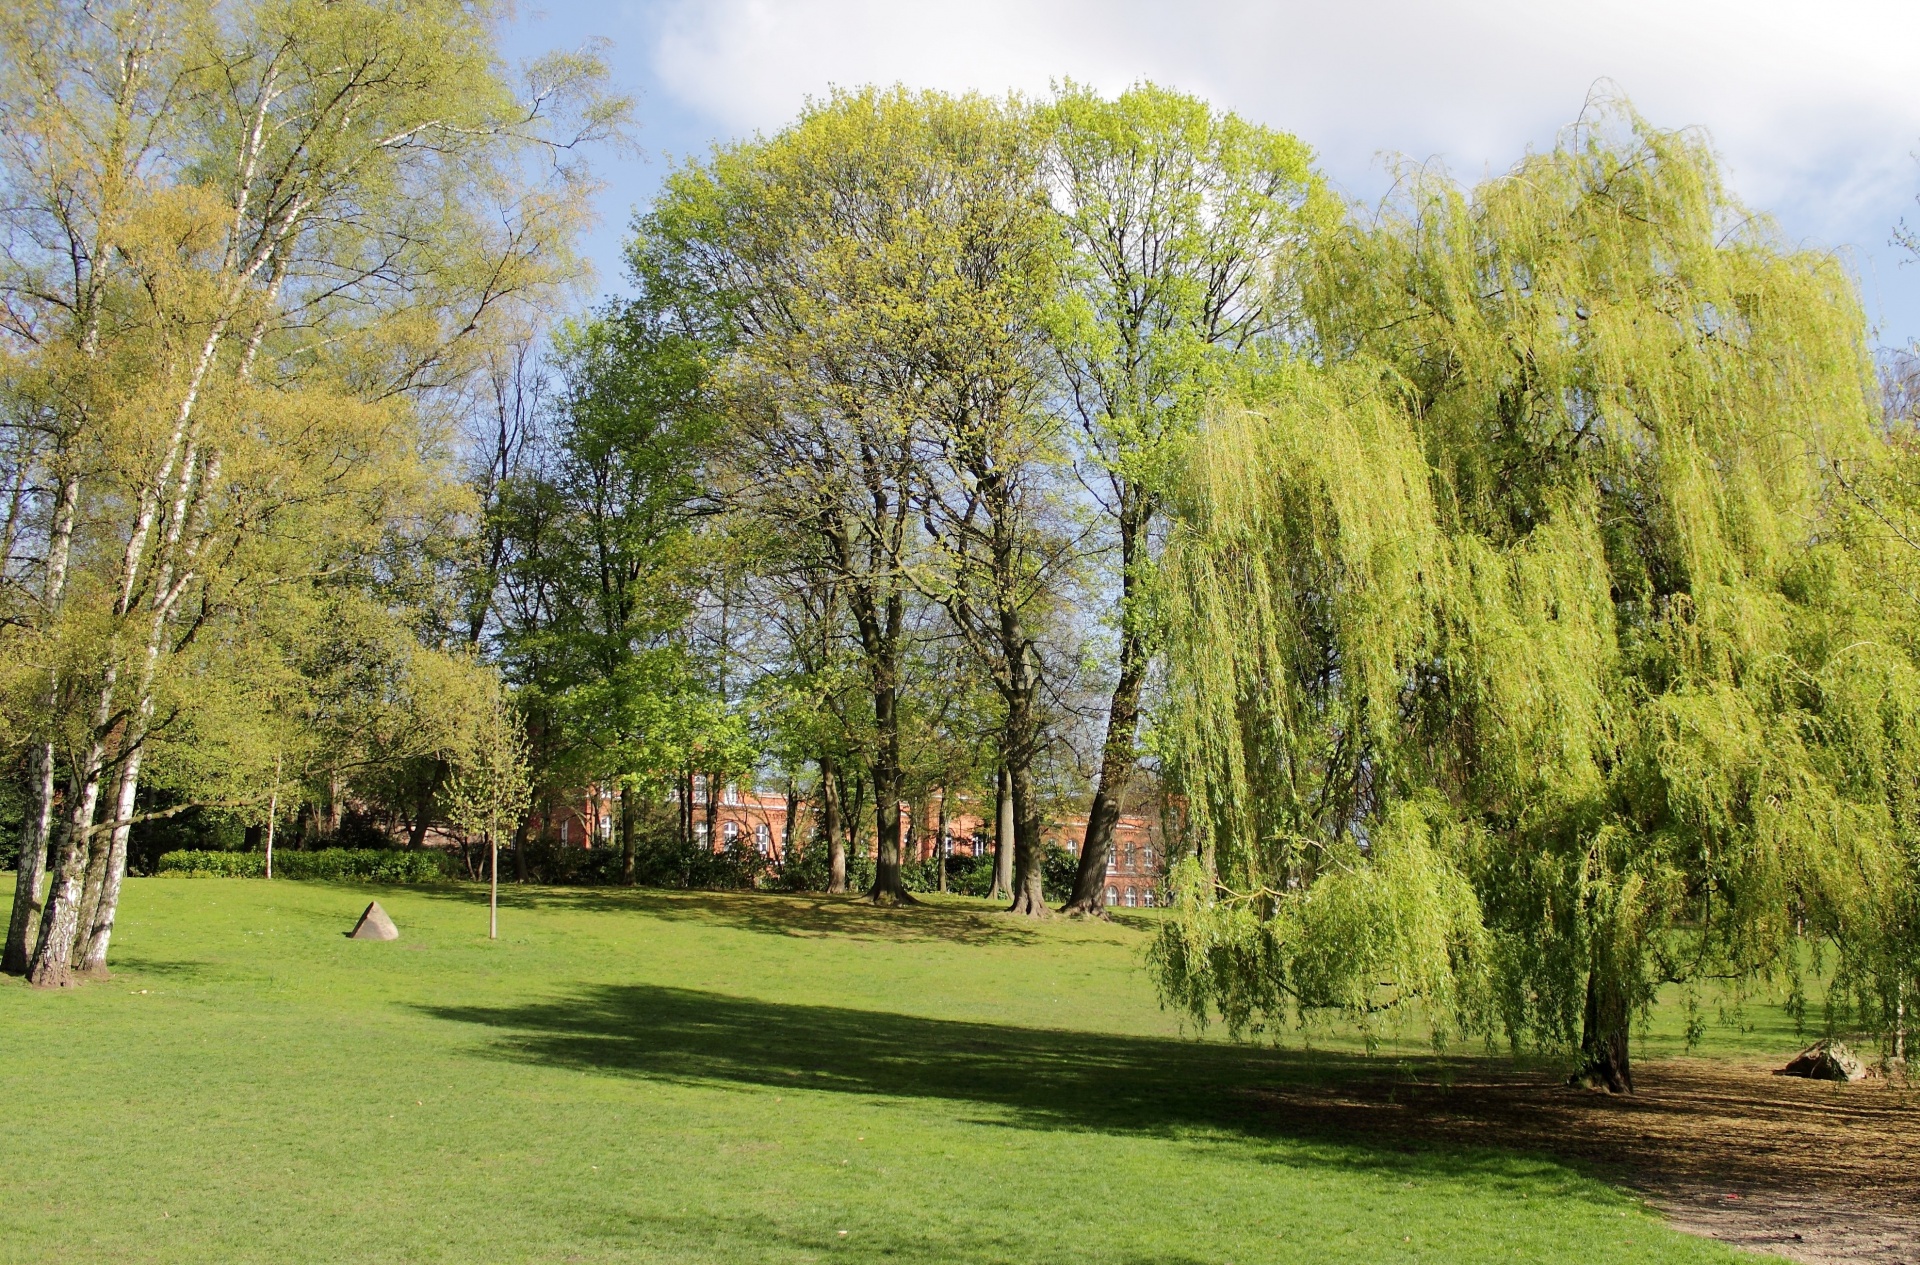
[(373, 865)]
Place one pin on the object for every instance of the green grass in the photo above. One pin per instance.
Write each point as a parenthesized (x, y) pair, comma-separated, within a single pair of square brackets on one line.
[(645, 1076)]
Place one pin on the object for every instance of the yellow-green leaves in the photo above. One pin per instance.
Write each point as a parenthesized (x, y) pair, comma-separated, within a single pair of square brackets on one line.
[(1538, 534)]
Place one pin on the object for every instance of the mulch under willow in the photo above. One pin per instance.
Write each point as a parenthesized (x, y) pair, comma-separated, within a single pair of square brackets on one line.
[(1819, 1172)]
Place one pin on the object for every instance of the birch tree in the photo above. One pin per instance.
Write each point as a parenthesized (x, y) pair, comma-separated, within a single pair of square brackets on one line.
[(248, 245)]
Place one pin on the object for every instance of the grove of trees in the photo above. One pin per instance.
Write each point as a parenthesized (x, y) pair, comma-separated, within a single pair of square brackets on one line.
[(1503, 593)]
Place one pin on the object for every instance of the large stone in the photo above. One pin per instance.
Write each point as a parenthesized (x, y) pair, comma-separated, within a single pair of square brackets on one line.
[(1825, 1061), (375, 925)]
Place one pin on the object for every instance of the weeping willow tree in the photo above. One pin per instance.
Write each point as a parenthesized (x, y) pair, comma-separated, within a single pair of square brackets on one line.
[(1520, 662)]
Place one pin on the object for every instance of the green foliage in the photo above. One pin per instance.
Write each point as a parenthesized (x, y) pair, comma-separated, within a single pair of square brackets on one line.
[(1518, 667), (366, 865), (489, 794), (598, 590)]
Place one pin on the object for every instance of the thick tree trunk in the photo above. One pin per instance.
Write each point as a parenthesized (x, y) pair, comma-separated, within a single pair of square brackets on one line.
[(1117, 761), (1003, 840), (1029, 874), (830, 827), (629, 821), (1117, 756), (1604, 1036), (887, 889), (53, 956)]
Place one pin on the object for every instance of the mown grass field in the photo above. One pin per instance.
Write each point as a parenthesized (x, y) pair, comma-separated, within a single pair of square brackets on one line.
[(648, 1076)]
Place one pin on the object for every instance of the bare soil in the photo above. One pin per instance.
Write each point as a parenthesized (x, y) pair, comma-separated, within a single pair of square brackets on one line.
[(1819, 1172)]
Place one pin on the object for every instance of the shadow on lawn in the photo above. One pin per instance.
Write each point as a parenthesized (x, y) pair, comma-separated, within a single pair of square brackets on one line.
[(771, 913), (1027, 1078)]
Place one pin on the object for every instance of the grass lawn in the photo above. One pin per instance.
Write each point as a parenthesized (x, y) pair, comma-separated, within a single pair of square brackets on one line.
[(648, 1076)]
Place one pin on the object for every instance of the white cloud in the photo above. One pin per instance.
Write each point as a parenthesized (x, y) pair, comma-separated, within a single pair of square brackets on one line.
[(1792, 92), (1813, 106)]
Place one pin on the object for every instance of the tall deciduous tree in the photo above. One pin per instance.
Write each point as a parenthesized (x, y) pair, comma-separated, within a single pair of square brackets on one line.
[(1182, 220), (1579, 690), (991, 499), (829, 250), (600, 556)]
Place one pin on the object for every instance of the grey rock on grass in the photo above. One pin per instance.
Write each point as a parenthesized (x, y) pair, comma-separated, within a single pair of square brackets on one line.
[(375, 925)]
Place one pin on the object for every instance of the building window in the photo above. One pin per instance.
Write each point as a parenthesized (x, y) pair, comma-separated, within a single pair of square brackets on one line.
[(1113, 862), (1130, 898), (730, 831), (763, 836), (564, 823), (1146, 857), (1112, 898), (1146, 898), (730, 796), (700, 833), (606, 825)]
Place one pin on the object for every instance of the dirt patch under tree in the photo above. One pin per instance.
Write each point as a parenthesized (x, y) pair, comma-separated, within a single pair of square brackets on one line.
[(1820, 1172)]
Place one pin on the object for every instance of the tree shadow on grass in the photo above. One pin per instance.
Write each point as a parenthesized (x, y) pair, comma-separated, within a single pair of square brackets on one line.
[(770, 913), (1018, 1077)]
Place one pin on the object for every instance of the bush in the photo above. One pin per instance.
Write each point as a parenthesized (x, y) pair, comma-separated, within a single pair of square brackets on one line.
[(368, 865), (807, 871)]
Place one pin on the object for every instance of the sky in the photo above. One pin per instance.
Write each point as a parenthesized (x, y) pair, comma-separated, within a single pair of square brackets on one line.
[(1814, 108)]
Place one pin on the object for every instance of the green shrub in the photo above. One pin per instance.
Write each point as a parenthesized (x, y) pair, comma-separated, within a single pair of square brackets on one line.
[(368, 865)]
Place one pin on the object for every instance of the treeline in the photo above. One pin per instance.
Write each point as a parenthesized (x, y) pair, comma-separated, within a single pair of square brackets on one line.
[(1511, 586), (858, 493)]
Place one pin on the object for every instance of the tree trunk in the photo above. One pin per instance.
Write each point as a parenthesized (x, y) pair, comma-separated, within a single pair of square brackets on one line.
[(36, 833), (713, 813), (521, 834), (99, 924), (1117, 762), (36, 829), (1117, 756), (1003, 842), (786, 825), (940, 842), (336, 792), (1029, 873), (830, 827), (53, 956), (1604, 1036), (629, 821), (887, 889), (423, 806)]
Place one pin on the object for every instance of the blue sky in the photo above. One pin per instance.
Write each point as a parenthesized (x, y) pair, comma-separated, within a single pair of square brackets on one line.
[(1815, 108)]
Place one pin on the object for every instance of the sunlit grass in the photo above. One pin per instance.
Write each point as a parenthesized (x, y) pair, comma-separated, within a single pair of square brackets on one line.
[(652, 1076)]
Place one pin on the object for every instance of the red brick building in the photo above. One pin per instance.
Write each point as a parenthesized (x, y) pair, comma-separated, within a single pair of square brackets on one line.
[(757, 819)]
